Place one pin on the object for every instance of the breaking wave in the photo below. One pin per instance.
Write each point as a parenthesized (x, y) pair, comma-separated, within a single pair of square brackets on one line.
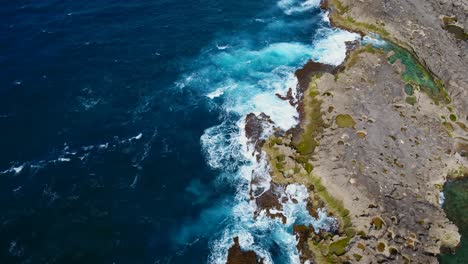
[(243, 79)]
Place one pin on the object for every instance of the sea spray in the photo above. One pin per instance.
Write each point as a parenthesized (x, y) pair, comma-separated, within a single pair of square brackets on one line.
[(245, 79)]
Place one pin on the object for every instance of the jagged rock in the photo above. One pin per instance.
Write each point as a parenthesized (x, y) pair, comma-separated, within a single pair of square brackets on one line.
[(237, 256), (254, 127)]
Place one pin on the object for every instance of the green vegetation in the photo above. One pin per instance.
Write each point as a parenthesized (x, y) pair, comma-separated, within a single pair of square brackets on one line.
[(361, 246), (340, 8), (409, 89), (449, 127), (378, 222), (456, 208), (345, 121), (459, 173), (338, 17), (415, 75), (334, 205), (301, 150), (453, 117), (381, 246), (280, 158), (338, 247), (314, 124), (361, 134), (393, 250), (411, 100), (458, 31), (357, 257), (450, 24), (354, 56), (462, 126), (362, 234), (308, 167)]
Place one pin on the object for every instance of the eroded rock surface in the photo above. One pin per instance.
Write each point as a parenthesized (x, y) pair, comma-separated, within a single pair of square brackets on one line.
[(422, 26), (255, 127), (374, 159), (373, 147), (237, 256), (388, 168)]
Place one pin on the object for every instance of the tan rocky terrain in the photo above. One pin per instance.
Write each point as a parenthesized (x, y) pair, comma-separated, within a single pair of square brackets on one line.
[(425, 27), (379, 135)]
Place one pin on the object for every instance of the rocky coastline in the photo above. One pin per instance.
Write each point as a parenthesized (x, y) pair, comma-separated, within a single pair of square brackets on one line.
[(378, 137)]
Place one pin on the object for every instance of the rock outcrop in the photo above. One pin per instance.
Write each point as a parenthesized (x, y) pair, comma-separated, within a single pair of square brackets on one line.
[(237, 256), (426, 27), (378, 136), (376, 155)]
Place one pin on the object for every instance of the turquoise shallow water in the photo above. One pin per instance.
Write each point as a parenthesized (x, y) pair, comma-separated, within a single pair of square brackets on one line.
[(456, 208)]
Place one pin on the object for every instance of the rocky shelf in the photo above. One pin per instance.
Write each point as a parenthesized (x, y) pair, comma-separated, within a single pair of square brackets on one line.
[(378, 136)]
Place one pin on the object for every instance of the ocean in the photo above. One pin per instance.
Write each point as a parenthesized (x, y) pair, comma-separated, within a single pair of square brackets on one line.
[(121, 124)]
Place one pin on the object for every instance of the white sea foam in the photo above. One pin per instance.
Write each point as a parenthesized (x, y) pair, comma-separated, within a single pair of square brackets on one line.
[(245, 80), (104, 146), (18, 169), (297, 191), (325, 17), (374, 39), (441, 199), (223, 47), (331, 48), (14, 169), (221, 146), (217, 93), (296, 6), (137, 137), (263, 73), (281, 112), (220, 91)]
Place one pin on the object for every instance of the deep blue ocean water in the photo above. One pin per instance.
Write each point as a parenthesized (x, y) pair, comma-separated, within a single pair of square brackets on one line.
[(121, 124)]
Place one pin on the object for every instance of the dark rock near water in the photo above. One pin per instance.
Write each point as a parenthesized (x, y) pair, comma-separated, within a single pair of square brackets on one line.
[(289, 97), (237, 256), (303, 233), (324, 4), (270, 200), (305, 74), (254, 127)]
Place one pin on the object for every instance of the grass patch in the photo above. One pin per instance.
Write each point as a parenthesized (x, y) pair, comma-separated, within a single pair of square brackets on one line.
[(453, 118), (357, 257), (412, 100), (314, 123), (354, 56), (338, 247), (343, 121), (378, 222), (303, 147), (334, 205), (338, 17), (449, 127), (415, 74), (381, 247)]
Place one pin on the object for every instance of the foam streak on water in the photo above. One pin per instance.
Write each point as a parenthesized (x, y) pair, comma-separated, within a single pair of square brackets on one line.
[(244, 79)]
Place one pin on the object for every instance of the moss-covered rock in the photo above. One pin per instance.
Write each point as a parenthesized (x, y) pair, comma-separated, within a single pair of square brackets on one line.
[(378, 222), (381, 246), (338, 247), (357, 257), (345, 120)]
